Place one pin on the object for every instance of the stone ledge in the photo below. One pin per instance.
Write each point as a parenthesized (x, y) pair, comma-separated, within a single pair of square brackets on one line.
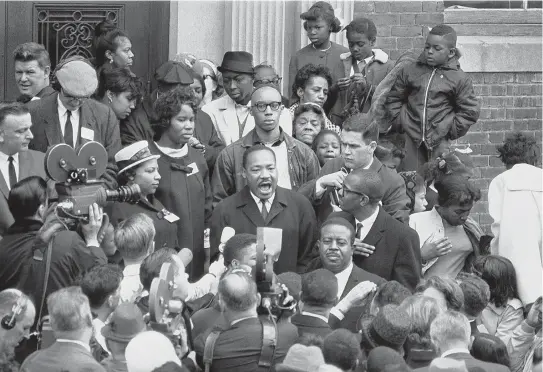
[(500, 53)]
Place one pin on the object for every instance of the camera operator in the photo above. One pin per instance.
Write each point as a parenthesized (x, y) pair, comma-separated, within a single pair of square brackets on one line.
[(239, 348), (71, 322), (17, 313), (24, 249)]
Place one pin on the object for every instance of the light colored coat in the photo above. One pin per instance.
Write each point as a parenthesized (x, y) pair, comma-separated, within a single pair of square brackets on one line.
[(222, 112), (515, 204)]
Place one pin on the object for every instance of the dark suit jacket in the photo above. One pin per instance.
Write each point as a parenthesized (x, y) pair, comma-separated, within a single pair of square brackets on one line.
[(62, 357), (397, 251), (310, 325), (290, 212), (138, 127), (395, 199), (93, 115), (30, 164), (472, 362), (238, 348)]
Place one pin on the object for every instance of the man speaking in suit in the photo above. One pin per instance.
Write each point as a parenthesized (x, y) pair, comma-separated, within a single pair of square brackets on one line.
[(383, 246), (16, 160), (71, 117)]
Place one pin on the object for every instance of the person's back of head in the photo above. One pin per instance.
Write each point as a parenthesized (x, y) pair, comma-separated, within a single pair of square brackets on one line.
[(500, 275), (341, 349), (138, 357), (490, 348), (134, 237), (70, 314), (170, 367), (17, 313), (446, 291), (369, 183), (301, 358), (310, 339), (453, 162), (151, 265), (101, 285), (388, 293), (382, 357), (319, 289), (476, 294), (293, 282), (450, 330), (519, 148), (422, 311), (237, 249), (27, 198), (238, 293)]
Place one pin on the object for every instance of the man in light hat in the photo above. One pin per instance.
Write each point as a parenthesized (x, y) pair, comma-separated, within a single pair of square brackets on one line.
[(71, 117), (126, 323), (149, 350), (231, 113)]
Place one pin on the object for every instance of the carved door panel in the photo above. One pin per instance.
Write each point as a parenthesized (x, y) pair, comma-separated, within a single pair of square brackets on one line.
[(66, 29)]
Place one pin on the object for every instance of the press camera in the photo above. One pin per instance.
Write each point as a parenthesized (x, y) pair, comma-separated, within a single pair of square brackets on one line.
[(77, 179)]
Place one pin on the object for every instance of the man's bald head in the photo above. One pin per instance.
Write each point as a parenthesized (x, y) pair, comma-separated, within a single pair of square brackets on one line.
[(266, 93), (238, 292)]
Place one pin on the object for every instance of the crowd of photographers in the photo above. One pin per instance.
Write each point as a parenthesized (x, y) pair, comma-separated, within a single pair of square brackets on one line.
[(360, 268)]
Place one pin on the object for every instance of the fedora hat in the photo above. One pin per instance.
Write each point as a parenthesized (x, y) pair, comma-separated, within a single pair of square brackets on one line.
[(132, 155), (237, 61), (126, 322), (389, 327)]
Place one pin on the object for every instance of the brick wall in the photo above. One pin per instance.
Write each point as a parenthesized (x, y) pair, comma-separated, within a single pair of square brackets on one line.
[(509, 100)]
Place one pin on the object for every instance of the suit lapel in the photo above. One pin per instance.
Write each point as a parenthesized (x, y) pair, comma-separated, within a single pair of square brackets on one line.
[(277, 205), (250, 209), (86, 120), (24, 165), (231, 127), (52, 127), (376, 232), (4, 185), (351, 282)]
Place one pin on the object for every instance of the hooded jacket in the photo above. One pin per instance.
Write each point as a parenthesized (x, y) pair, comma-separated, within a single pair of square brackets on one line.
[(432, 103)]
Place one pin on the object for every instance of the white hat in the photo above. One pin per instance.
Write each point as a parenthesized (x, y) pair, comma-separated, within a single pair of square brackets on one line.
[(132, 155), (149, 350)]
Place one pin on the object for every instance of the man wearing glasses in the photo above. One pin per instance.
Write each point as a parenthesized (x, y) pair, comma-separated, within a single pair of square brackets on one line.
[(71, 117), (296, 162), (382, 246), (266, 75)]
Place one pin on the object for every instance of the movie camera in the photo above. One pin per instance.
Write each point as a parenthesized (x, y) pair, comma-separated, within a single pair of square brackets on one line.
[(77, 179)]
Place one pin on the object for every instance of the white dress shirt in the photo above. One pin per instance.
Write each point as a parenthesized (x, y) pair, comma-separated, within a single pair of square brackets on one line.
[(455, 351), (131, 286), (367, 224), (4, 166), (66, 341), (323, 318), (362, 65), (97, 325), (342, 279), (268, 202), (74, 119)]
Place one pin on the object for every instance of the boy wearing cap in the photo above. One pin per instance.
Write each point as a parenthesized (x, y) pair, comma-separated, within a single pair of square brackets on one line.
[(432, 100), (71, 117)]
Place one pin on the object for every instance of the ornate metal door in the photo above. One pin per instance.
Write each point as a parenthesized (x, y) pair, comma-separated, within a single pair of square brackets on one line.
[(67, 28)]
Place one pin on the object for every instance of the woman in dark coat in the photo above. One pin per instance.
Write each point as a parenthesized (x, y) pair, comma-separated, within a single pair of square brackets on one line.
[(184, 188), (137, 166)]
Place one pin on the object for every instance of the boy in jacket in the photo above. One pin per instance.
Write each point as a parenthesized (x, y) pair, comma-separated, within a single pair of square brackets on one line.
[(432, 99)]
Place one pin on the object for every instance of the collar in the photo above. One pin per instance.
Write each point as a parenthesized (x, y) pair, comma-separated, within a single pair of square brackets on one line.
[(369, 165), (257, 200), (174, 153), (346, 271), (513, 302), (370, 220), (321, 317), (131, 270), (4, 157), (459, 350), (242, 319), (25, 226), (66, 341), (258, 141)]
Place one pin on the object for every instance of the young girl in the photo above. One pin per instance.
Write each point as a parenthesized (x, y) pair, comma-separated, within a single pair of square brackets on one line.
[(415, 190), (319, 22), (326, 145), (504, 311)]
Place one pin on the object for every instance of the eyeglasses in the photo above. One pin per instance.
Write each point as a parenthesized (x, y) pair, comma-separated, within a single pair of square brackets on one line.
[(341, 192), (261, 106), (71, 98), (275, 80)]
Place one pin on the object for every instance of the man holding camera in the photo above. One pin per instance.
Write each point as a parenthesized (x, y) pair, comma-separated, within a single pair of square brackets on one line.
[(240, 347)]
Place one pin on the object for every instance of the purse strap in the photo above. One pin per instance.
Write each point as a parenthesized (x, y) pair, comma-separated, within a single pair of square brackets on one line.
[(49, 253)]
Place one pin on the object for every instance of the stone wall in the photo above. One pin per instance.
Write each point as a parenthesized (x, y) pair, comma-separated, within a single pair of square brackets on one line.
[(510, 100)]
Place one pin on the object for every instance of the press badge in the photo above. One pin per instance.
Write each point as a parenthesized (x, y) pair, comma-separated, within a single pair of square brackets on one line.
[(87, 134), (194, 168), (168, 216)]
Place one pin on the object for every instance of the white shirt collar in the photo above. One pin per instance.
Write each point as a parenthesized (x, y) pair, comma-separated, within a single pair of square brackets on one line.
[(368, 222), (322, 317), (131, 270), (174, 153), (242, 319), (460, 350), (343, 278), (269, 201), (369, 165), (4, 157), (62, 109), (63, 340)]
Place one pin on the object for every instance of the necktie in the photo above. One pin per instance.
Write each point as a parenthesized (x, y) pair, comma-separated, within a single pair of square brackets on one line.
[(11, 172), (359, 230), (68, 130), (264, 209)]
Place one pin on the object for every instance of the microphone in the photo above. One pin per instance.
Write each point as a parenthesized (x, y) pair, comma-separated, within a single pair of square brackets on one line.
[(185, 255), (227, 233)]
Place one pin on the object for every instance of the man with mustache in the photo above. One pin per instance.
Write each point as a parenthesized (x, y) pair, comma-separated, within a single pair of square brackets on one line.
[(262, 203), (296, 162)]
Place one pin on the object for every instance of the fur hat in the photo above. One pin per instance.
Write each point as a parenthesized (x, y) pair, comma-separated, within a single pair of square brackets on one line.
[(389, 327), (77, 77)]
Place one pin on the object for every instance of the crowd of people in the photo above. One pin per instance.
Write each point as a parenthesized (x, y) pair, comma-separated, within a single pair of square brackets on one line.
[(379, 266)]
